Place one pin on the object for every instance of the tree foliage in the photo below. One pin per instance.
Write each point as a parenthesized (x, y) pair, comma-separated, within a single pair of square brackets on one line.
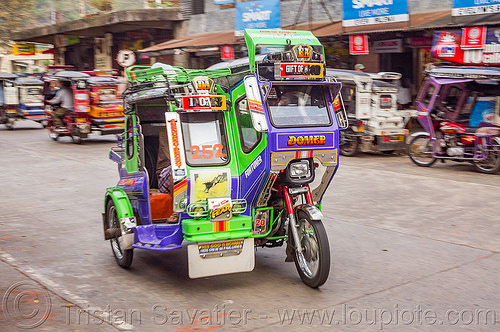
[(15, 15), (102, 5)]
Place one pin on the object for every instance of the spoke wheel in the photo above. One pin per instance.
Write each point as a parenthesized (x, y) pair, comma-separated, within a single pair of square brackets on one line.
[(348, 143), (313, 263), (122, 257), (420, 151), (491, 164)]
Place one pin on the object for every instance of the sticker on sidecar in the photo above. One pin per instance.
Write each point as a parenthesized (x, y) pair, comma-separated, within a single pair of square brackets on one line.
[(207, 248), (305, 141)]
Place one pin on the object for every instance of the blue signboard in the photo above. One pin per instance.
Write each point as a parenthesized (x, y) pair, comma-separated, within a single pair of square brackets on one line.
[(364, 12), (223, 2), (474, 7), (257, 15)]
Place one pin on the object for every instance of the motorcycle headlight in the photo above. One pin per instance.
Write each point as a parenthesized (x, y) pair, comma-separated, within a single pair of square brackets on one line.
[(300, 169)]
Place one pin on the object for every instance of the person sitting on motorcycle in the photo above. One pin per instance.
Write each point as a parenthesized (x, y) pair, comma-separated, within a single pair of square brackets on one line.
[(64, 97)]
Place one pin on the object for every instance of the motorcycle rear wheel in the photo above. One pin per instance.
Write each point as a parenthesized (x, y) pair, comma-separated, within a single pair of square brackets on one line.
[(123, 257), (348, 143), (490, 165), (420, 151), (313, 263)]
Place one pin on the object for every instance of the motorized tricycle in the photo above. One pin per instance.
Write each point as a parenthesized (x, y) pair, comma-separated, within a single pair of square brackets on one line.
[(106, 110), (9, 99), (244, 145), (77, 124), (375, 124), (458, 107), (31, 106), (97, 105)]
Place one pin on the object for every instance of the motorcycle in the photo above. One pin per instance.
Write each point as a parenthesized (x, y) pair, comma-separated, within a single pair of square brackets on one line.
[(245, 143), (459, 109)]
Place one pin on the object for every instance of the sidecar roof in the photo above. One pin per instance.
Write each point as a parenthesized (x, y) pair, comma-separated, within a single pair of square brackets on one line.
[(28, 81), (472, 72), (7, 76), (276, 37)]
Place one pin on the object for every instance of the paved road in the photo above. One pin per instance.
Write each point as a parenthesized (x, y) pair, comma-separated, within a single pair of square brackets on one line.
[(412, 249)]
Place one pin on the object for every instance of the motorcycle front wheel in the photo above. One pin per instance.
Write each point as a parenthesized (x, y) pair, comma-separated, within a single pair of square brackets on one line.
[(420, 151), (491, 164), (313, 263), (123, 257)]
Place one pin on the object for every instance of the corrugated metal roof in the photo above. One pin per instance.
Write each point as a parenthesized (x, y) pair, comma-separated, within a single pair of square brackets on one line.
[(196, 41)]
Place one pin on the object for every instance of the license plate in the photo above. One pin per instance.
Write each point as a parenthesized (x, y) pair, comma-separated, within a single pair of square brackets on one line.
[(233, 247), (221, 257), (395, 138)]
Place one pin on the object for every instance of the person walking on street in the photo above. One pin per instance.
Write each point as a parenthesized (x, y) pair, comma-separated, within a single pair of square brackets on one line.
[(64, 97)]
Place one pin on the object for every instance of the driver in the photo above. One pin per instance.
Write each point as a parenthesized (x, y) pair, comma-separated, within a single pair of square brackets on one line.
[(64, 97)]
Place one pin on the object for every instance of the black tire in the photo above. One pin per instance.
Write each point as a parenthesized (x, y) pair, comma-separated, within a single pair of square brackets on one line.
[(77, 139), (348, 143), (419, 149), (490, 165), (122, 257), (313, 264)]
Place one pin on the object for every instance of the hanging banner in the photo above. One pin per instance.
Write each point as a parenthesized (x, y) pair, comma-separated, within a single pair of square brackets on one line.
[(364, 12), (473, 38), (447, 45), (474, 7), (257, 15), (358, 44)]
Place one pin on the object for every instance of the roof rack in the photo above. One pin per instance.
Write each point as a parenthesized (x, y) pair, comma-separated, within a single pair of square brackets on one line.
[(172, 74)]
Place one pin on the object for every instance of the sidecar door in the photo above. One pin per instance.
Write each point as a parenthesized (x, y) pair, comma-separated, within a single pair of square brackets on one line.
[(250, 147)]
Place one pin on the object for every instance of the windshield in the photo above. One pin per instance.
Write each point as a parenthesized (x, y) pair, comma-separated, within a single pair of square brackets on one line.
[(298, 105), (205, 139)]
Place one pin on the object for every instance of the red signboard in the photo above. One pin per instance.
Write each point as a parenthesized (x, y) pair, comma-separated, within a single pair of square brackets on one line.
[(299, 70), (358, 44), (227, 52), (473, 37)]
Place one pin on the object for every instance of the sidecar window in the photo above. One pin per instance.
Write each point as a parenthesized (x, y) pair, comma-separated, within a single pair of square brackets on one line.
[(249, 136), (205, 139), (298, 106)]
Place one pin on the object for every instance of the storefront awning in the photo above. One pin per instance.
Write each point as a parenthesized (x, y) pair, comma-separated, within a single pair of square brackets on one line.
[(193, 43)]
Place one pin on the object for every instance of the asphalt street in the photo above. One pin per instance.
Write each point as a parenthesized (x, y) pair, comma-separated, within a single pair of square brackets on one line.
[(413, 249)]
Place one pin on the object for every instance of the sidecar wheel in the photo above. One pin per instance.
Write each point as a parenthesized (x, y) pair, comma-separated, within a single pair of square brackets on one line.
[(420, 151), (490, 165), (122, 257), (348, 143), (313, 263)]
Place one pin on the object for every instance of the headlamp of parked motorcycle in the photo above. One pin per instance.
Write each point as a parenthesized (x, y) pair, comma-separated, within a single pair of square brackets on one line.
[(300, 171)]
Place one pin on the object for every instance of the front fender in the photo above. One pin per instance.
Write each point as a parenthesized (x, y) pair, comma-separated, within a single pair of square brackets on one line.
[(420, 133), (312, 211), (122, 204)]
